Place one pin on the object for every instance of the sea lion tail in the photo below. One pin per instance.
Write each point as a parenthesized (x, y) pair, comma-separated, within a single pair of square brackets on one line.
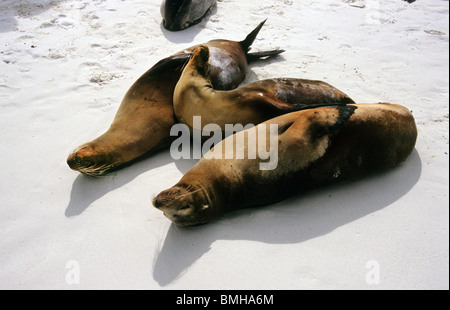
[(251, 37), (265, 54)]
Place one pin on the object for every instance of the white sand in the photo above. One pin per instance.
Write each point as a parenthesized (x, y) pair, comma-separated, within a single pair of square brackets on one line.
[(64, 68)]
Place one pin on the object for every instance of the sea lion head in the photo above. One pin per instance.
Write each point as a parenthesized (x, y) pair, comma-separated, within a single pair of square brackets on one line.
[(92, 160), (181, 14), (185, 206), (175, 14)]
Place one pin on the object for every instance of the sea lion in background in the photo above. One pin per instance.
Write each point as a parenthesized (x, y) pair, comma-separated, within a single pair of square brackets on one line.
[(316, 147), (181, 14), (254, 103), (144, 119)]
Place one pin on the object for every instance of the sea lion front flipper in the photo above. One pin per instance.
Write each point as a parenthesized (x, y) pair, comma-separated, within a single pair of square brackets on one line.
[(308, 137), (323, 121), (284, 95), (275, 105), (283, 107), (307, 94)]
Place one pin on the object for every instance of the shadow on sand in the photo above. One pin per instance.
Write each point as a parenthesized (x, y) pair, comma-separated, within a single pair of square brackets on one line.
[(298, 219), (86, 190)]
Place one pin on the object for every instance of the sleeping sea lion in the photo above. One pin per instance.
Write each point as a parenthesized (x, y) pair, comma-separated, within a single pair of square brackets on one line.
[(143, 121), (253, 103), (315, 147)]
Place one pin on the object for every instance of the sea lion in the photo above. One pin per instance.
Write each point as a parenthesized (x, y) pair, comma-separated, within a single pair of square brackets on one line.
[(181, 14), (316, 147), (254, 103), (143, 121)]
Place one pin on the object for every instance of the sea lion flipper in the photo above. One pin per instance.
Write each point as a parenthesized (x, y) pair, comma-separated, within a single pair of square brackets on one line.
[(312, 129), (272, 103), (345, 112), (264, 54), (246, 46), (287, 106), (170, 63), (299, 94), (308, 106), (251, 37), (325, 121)]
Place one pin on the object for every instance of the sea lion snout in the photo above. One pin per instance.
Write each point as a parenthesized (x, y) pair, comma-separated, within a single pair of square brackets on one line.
[(181, 14), (174, 25), (90, 160), (80, 158), (182, 206)]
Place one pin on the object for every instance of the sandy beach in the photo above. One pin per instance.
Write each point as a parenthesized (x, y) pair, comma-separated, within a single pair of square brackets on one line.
[(65, 66)]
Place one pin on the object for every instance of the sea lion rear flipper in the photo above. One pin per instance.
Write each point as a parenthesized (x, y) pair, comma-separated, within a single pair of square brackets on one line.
[(170, 63), (324, 121), (249, 41), (251, 37), (259, 55)]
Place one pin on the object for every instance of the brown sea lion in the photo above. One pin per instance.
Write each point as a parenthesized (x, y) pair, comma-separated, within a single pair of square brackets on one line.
[(315, 147), (144, 119), (254, 103)]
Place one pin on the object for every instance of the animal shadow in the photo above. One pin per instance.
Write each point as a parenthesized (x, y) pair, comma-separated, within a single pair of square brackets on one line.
[(86, 190), (298, 219)]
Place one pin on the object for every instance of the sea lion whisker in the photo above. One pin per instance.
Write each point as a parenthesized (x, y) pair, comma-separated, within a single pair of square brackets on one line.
[(94, 170), (174, 197)]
